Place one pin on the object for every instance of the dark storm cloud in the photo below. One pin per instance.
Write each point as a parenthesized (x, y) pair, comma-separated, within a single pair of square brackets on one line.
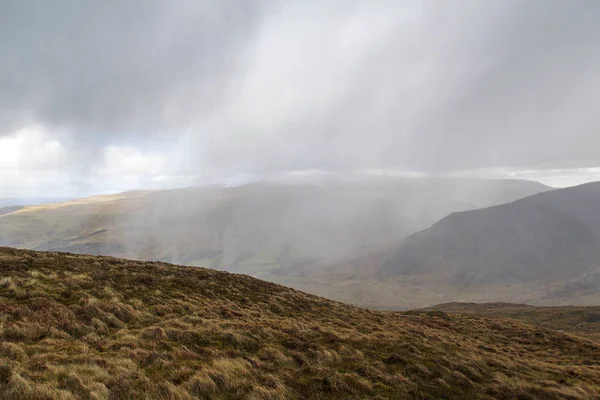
[(270, 86), (117, 67)]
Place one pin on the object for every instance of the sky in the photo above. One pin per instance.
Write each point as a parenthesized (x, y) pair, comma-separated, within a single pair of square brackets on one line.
[(99, 97)]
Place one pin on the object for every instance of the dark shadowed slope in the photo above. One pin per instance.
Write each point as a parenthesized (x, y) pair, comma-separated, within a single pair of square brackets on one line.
[(85, 327), (553, 235)]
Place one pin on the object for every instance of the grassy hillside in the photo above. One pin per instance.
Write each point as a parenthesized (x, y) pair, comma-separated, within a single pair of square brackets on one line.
[(9, 209), (579, 320), (85, 327)]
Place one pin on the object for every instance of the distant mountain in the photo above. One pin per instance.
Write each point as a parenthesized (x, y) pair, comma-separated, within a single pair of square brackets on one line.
[(260, 229), (543, 250), (548, 236), (30, 201)]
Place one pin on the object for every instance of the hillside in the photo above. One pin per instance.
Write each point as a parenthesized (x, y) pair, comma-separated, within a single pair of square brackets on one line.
[(578, 320), (261, 229), (85, 327), (540, 250), (9, 209), (549, 236)]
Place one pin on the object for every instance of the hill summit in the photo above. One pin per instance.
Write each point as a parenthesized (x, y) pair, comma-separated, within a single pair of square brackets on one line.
[(89, 327)]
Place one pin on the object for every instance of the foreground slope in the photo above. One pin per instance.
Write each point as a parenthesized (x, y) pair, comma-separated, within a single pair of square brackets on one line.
[(80, 327)]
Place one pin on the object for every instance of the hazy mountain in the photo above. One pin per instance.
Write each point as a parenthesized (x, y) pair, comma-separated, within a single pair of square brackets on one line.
[(30, 201), (543, 249), (261, 228), (548, 236), (84, 327)]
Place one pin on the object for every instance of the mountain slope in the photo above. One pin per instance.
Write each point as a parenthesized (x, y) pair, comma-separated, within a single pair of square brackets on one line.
[(548, 236), (76, 327), (260, 229), (541, 250)]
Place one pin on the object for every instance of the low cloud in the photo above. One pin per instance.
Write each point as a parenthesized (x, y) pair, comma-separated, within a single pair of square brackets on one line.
[(134, 93)]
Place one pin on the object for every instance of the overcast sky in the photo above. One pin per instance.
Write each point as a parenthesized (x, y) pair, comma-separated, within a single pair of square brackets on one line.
[(100, 96)]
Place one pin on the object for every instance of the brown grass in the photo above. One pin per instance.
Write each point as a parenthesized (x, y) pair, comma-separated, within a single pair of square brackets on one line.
[(584, 321), (83, 327)]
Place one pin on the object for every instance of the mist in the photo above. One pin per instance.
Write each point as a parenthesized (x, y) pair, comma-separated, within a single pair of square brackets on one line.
[(261, 228)]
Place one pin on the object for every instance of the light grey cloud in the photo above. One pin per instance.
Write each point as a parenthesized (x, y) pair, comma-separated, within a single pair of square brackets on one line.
[(229, 87), (527, 91)]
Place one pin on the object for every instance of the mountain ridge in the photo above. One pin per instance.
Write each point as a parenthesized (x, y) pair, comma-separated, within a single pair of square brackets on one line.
[(526, 239)]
